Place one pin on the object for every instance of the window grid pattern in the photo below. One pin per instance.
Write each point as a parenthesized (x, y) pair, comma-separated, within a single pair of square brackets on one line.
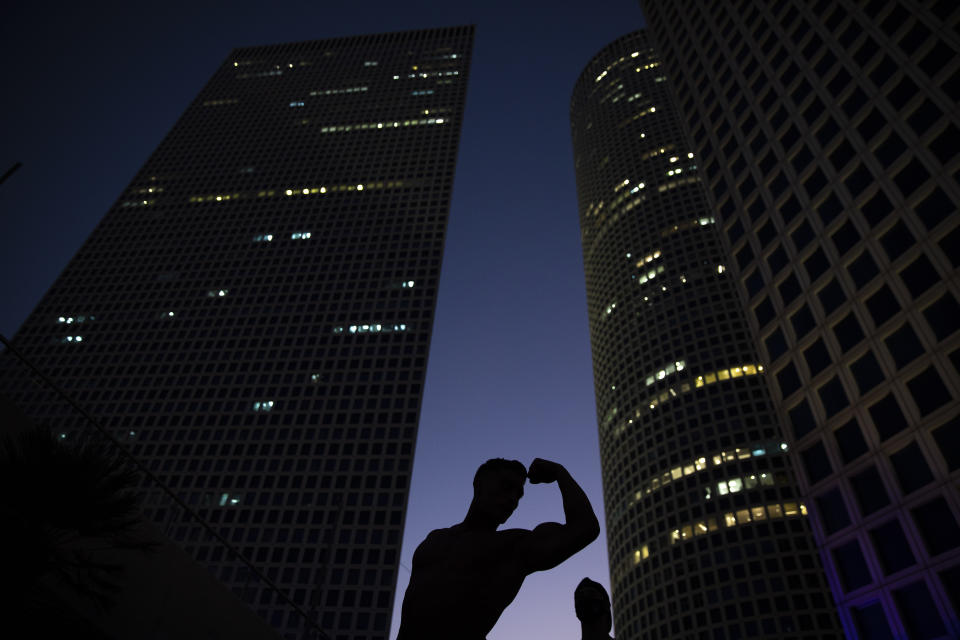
[(211, 294), (703, 522), (828, 132)]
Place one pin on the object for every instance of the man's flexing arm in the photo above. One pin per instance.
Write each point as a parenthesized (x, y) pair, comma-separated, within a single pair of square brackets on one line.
[(551, 543)]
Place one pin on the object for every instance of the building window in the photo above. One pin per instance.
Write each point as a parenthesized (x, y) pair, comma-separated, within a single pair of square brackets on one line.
[(919, 276), (904, 345), (816, 265), (869, 491), (850, 441), (863, 269), (833, 397), (851, 566), (776, 344), (832, 511), (802, 322), (831, 296), (911, 468), (867, 372), (871, 622), (948, 439), (928, 391), (816, 463), (887, 417), (882, 305), (817, 357), (918, 612), (937, 525), (802, 420), (892, 547), (942, 316)]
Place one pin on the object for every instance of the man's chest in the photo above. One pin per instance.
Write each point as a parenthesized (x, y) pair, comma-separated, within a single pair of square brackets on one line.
[(470, 554)]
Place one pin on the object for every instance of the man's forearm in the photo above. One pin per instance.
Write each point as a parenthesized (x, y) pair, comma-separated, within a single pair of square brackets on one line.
[(577, 509)]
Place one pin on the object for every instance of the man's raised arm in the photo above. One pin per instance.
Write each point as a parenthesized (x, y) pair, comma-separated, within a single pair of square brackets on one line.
[(551, 543)]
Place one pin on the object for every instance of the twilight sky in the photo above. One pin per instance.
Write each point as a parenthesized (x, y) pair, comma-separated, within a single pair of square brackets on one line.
[(92, 88)]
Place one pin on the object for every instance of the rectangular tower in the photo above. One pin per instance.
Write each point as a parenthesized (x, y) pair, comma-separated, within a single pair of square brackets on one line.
[(828, 133), (253, 315)]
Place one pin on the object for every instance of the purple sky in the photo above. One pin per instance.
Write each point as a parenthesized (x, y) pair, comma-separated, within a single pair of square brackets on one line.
[(90, 91)]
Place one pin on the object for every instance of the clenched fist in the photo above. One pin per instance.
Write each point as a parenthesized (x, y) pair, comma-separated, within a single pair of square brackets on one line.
[(544, 471)]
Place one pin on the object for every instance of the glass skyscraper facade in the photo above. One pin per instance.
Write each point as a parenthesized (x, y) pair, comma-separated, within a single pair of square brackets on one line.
[(252, 316), (706, 534), (827, 133)]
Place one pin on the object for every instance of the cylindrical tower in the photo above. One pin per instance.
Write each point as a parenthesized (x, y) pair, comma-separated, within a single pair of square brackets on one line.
[(829, 134), (705, 530)]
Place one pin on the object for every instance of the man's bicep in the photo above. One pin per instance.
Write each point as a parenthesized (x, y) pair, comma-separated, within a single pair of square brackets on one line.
[(546, 546)]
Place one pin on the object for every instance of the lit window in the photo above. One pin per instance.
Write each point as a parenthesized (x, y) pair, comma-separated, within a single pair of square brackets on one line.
[(217, 293), (371, 328), (263, 237), (297, 103), (300, 235), (266, 405)]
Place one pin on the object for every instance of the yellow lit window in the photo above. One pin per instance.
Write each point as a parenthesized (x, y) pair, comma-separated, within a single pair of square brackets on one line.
[(790, 509), (743, 516), (729, 519), (758, 513), (775, 511)]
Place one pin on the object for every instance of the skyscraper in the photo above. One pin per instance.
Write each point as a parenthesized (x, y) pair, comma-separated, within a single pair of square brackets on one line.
[(253, 314), (705, 529), (828, 137)]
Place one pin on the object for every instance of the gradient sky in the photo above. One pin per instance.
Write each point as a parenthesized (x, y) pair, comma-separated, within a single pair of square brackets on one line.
[(91, 90)]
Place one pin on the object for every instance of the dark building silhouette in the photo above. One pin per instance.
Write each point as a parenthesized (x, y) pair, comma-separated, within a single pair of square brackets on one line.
[(253, 315), (705, 529), (828, 137)]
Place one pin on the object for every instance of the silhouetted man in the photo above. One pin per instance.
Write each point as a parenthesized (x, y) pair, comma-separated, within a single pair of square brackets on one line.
[(592, 604), (464, 577)]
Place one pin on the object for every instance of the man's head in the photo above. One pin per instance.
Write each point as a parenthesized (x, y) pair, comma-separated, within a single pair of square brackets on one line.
[(498, 487), (592, 604)]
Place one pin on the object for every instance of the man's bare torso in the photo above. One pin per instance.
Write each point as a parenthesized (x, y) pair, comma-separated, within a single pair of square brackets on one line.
[(462, 581)]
